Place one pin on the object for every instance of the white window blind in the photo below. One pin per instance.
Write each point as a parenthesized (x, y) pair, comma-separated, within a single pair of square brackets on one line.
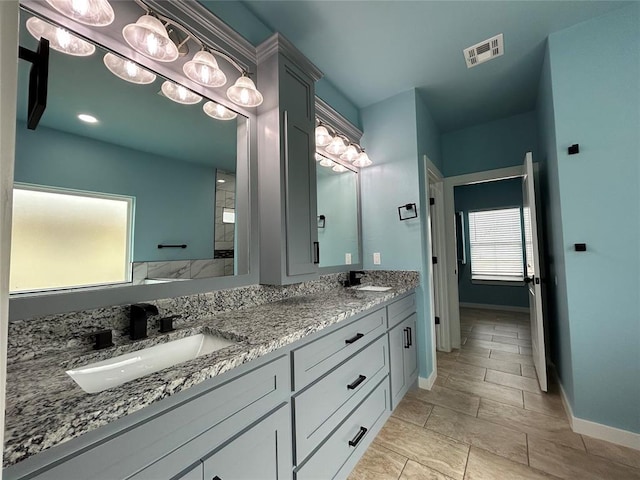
[(495, 238)]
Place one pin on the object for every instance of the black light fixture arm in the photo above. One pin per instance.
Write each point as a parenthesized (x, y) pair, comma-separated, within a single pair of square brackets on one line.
[(38, 81)]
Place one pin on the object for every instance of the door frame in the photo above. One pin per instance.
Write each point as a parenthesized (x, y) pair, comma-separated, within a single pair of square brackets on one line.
[(451, 322), (437, 241), (433, 178), (9, 21)]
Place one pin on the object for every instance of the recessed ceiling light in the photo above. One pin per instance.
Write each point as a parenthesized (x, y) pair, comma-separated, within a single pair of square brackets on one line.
[(87, 118)]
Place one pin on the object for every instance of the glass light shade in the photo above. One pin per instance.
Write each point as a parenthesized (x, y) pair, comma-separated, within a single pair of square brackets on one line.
[(203, 69), (350, 154), (337, 146), (97, 13), (362, 160), (149, 37), (339, 168), (179, 94), (127, 70), (59, 38), (323, 137), (325, 162), (244, 93), (219, 112), (318, 157)]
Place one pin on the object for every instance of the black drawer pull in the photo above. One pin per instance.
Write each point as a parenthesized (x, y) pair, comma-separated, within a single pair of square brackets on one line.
[(216, 478), (410, 336), (358, 437), (356, 382), (406, 337), (351, 340)]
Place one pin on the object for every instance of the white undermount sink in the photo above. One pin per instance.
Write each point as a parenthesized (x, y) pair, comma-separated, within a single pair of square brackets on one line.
[(373, 288), (98, 376)]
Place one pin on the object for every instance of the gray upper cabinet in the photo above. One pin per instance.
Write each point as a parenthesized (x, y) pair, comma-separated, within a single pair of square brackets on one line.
[(289, 249)]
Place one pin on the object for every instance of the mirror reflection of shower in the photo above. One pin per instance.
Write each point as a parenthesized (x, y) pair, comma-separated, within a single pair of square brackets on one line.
[(225, 223)]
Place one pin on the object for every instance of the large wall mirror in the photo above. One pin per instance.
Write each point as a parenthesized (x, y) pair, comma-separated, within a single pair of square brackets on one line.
[(338, 220), (119, 185), (338, 197)]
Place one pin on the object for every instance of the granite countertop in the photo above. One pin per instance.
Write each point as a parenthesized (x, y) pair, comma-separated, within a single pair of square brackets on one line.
[(46, 407)]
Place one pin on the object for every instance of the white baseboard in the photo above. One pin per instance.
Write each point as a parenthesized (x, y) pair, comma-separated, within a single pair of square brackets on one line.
[(486, 306), (427, 383), (599, 430)]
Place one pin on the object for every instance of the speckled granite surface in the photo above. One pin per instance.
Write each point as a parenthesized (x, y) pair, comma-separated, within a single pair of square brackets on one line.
[(45, 407)]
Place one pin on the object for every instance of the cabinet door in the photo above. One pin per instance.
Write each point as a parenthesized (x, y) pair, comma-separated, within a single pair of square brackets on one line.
[(397, 346), (411, 353), (255, 453), (297, 99)]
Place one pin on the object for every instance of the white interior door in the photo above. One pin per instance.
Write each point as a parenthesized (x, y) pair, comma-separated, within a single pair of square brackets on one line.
[(532, 274)]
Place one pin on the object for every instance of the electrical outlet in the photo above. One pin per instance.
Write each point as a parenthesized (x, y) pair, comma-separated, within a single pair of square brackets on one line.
[(376, 258), (347, 259)]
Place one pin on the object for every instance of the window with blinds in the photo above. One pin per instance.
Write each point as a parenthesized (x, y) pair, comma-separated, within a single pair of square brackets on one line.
[(495, 238)]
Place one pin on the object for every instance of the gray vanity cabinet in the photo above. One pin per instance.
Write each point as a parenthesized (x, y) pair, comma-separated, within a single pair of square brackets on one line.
[(404, 360), (289, 249), (255, 453)]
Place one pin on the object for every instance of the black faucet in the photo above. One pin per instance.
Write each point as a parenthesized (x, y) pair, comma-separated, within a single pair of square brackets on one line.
[(138, 316), (354, 278)]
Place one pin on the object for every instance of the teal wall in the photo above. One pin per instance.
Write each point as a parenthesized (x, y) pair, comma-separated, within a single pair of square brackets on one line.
[(396, 178), (595, 72), (498, 144), (338, 202), (428, 134), (174, 200), (556, 306), (243, 21), (482, 196)]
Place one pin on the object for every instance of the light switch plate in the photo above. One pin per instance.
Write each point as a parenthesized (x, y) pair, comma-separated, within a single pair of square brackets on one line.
[(376, 258), (347, 259)]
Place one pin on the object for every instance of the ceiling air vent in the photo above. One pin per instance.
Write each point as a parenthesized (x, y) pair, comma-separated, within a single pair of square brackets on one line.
[(484, 51)]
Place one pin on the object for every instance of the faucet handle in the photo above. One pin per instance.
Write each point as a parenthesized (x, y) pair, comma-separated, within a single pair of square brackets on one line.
[(166, 323), (104, 339)]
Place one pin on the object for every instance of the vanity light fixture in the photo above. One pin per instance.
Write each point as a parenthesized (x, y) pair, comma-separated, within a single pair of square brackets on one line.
[(325, 162), (323, 137), (149, 37), (59, 39), (219, 112), (97, 13), (154, 36), (203, 69), (128, 70), (85, 117), (339, 168), (179, 94), (350, 154), (318, 157), (337, 146), (362, 160), (244, 92)]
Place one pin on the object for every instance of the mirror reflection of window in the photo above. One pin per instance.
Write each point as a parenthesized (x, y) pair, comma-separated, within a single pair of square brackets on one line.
[(63, 239)]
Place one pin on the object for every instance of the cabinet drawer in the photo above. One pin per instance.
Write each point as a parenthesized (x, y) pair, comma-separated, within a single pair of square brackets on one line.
[(320, 408), (401, 309), (314, 359), (229, 407), (352, 437)]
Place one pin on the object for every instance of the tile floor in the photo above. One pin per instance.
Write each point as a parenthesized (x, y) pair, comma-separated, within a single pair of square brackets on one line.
[(486, 419)]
